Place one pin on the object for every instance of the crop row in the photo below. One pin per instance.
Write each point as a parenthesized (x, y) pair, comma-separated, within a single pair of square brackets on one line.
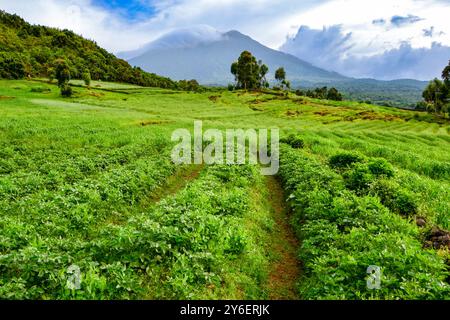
[(189, 245), (347, 220)]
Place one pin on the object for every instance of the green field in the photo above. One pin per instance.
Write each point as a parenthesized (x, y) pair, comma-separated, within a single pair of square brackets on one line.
[(88, 181)]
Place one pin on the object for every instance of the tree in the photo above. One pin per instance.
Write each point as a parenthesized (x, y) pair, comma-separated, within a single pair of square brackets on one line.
[(280, 76), (87, 77), (334, 94), (446, 73), (247, 72), (62, 73), (434, 94), (50, 74), (234, 72), (263, 71)]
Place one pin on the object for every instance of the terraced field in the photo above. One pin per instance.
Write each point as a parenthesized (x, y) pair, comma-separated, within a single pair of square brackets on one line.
[(88, 181)]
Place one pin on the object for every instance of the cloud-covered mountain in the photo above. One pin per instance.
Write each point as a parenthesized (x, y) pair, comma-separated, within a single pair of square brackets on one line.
[(206, 55), (177, 39), (332, 48)]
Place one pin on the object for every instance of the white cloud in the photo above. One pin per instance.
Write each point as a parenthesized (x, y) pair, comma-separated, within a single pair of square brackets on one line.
[(331, 48), (267, 21), (357, 17)]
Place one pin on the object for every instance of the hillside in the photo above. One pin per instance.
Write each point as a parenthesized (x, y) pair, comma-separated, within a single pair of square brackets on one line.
[(361, 185), (30, 50), (403, 93)]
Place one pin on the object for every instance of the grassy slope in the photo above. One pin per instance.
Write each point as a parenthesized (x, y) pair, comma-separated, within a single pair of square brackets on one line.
[(56, 154)]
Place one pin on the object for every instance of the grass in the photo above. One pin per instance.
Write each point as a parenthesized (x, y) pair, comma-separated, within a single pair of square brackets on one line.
[(89, 181)]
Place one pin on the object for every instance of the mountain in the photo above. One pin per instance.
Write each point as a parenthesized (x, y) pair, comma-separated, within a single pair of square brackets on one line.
[(207, 56), (27, 49)]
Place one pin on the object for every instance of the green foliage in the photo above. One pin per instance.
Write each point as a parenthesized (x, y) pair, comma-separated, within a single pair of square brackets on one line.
[(66, 90), (11, 65), (294, 141), (86, 78), (249, 74), (40, 89), (437, 94), (381, 167), (345, 160), (280, 75), (79, 181), (334, 94), (396, 198), (40, 46), (62, 72), (322, 93), (359, 178), (343, 234), (191, 85)]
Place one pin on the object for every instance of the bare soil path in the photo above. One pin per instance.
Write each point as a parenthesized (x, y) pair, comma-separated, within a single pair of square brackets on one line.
[(285, 268)]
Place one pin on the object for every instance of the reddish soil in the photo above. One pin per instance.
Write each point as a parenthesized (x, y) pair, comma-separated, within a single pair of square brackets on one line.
[(285, 269)]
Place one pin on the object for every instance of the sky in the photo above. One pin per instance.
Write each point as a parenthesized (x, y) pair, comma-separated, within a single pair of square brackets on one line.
[(374, 26)]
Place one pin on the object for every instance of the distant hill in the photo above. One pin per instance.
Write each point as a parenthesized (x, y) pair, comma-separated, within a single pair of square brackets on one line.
[(27, 49), (207, 56), (403, 93)]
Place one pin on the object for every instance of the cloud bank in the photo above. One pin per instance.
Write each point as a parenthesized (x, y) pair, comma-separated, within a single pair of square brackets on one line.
[(366, 28), (331, 48)]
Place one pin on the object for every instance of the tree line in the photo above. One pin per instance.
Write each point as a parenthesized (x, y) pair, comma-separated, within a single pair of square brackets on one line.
[(251, 74), (36, 51), (437, 95)]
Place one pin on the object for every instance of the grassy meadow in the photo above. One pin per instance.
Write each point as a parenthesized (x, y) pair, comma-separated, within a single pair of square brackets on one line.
[(88, 181)]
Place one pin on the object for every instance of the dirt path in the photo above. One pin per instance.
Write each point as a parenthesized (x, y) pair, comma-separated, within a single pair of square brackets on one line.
[(176, 182), (285, 268)]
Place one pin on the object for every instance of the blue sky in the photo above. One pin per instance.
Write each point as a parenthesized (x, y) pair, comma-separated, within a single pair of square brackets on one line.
[(128, 9)]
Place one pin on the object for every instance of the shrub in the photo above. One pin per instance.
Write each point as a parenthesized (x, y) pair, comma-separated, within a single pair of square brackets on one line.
[(40, 90), (394, 197), (294, 141), (11, 66), (66, 91), (381, 167), (359, 178), (345, 160), (87, 78), (299, 92)]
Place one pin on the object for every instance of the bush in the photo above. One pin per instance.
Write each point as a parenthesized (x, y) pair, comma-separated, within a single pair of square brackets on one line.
[(11, 66), (345, 160), (394, 197), (87, 78), (334, 94), (66, 91), (299, 93), (40, 90), (381, 167), (294, 141), (359, 178)]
